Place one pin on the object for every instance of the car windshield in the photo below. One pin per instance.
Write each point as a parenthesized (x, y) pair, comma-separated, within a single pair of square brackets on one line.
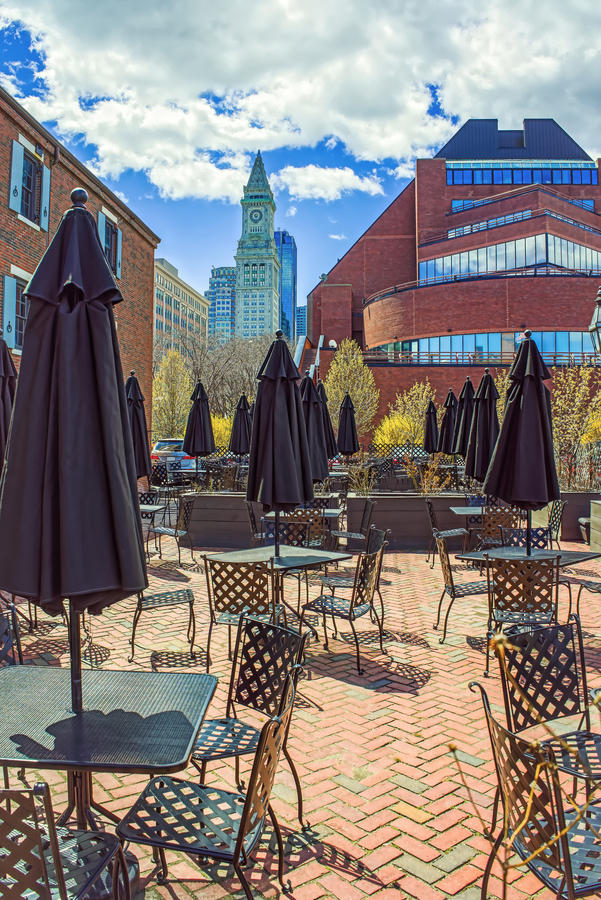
[(168, 445)]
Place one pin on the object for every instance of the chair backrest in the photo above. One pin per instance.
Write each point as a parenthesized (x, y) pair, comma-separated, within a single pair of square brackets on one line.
[(315, 518), (543, 675), (531, 797), (376, 538), (148, 498), (496, 517), (293, 532), (555, 516), (10, 643), (445, 563), (252, 519), (23, 854), (159, 475), (540, 538), (184, 512), (366, 578), (229, 477), (475, 500), (318, 503), (267, 755), (525, 586), (367, 516), (240, 588), (264, 655), (431, 514)]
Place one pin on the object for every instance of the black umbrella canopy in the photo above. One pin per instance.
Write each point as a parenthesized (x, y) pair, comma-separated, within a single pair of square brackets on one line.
[(68, 493), (139, 429), (251, 411), (316, 440), (522, 469), (199, 440), (484, 429), (348, 442), (447, 426), (431, 429), (328, 429), (463, 418), (241, 428), (279, 470), (8, 384)]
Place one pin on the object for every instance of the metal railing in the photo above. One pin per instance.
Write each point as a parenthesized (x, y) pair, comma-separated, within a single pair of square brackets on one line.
[(426, 358)]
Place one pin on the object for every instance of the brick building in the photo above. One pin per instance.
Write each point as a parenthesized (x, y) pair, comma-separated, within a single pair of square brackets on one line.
[(37, 175), (500, 231)]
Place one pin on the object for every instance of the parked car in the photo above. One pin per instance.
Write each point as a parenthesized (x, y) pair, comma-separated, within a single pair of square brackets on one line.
[(170, 453)]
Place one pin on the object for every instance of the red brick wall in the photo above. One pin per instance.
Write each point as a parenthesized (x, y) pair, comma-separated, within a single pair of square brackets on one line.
[(22, 245)]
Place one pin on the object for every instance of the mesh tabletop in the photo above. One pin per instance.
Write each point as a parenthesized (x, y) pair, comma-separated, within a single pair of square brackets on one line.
[(132, 721), (152, 507), (467, 510), (566, 557), (289, 558), (329, 512)]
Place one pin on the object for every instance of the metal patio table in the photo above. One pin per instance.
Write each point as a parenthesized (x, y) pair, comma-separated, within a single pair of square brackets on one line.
[(331, 514), (467, 510), (566, 557), (152, 508)]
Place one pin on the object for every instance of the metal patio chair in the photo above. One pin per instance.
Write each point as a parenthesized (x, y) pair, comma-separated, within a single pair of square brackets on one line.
[(181, 531), (376, 539), (11, 653), (264, 656), (236, 590), (522, 591), (255, 532), (540, 538), (361, 535), (446, 533), (494, 518), (466, 589), (165, 600), (555, 518), (559, 846), (209, 822), (360, 603), (148, 498), (39, 860)]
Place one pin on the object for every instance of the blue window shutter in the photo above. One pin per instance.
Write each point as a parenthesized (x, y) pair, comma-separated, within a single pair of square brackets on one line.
[(119, 246), (16, 177), (45, 199), (9, 310), (102, 229)]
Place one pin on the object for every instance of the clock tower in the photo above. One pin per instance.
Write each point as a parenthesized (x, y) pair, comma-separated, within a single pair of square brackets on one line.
[(257, 263)]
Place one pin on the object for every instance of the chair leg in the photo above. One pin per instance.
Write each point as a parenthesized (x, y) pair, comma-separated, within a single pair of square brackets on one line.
[(489, 636), (120, 867), (495, 810), (581, 588), (286, 886), (299, 791), (325, 632), (490, 861), (446, 621), (359, 669), (192, 628), (380, 629), (137, 615), (209, 643), (243, 881), (437, 623)]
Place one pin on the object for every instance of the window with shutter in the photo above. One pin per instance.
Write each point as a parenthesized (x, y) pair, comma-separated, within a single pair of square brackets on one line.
[(9, 310)]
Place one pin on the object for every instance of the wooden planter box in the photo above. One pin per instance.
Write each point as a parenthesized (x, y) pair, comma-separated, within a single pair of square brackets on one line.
[(406, 516)]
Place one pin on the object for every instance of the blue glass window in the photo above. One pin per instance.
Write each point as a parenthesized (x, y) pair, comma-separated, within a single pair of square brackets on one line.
[(541, 249), (497, 176), (575, 342), (473, 262), (587, 344), (482, 267), (586, 176), (520, 254), (486, 176), (445, 345), (553, 177), (500, 257), (566, 176), (537, 176), (446, 265), (455, 264), (434, 344), (491, 259), (422, 271), (477, 176), (510, 255), (526, 176), (450, 177), (469, 344), (464, 263), (517, 176), (507, 176), (548, 342), (561, 341), (456, 344), (594, 177), (457, 176), (576, 177), (423, 345), (482, 344), (494, 343), (467, 176)]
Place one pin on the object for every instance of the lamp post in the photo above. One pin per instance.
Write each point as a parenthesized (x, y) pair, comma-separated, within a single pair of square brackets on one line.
[(594, 328)]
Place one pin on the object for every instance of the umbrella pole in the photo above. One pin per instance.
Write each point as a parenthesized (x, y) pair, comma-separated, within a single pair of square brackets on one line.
[(75, 652), (277, 533), (529, 533)]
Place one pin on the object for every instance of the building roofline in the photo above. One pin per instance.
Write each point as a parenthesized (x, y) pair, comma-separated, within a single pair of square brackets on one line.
[(158, 261), (127, 214)]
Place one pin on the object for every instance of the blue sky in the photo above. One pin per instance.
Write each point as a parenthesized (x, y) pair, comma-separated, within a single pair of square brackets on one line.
[(169, 105)]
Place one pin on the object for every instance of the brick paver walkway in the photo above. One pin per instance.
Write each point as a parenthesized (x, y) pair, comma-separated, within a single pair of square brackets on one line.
[(389, 816)]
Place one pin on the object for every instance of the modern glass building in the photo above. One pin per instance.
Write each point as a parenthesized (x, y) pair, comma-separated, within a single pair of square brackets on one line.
[(286, 250), (301, 320), (222, 299)]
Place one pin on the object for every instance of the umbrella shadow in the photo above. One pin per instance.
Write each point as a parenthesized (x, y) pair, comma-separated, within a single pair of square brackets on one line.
[(107, 737), (177, 659), (167, 571)]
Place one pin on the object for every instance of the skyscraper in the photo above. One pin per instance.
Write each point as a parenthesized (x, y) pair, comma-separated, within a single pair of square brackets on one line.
[(222, 298), (180, 311), (257, 264), (301, 320), (286, 250)]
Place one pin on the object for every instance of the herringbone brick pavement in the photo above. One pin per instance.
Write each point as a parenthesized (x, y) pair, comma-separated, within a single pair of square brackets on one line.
[(390, 817)]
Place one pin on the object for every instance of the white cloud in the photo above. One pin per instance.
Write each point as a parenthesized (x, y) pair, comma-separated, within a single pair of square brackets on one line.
[(291, 211), (189, 100), (322, 182), (337, 237), (121, 196)]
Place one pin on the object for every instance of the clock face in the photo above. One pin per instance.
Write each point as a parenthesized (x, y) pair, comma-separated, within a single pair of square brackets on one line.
[(256, 215)]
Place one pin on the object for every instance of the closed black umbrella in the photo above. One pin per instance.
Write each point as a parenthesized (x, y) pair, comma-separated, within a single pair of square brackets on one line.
[(328, 429), (447, 426), (431, 429), (198, 439), (241, 428), (522, 469), (251, 411), (68, 492), (463, 418), (139, 429), (315, 434), (279, 471), (484, 429), (348, 442), (8, 384)]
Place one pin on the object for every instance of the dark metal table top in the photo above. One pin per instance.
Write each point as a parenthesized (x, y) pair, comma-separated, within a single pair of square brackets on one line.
[(152, 507), (566, 557), (329, 513), (289, 558), (467, 510), (132, 721)]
